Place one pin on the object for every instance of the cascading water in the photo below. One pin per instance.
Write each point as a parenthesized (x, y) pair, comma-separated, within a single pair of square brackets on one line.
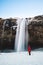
[(3, 28), (26, 35), (21, 40), (21, 35), (17, 34)]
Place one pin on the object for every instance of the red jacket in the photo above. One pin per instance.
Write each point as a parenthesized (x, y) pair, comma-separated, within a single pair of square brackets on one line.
[(29, 48)]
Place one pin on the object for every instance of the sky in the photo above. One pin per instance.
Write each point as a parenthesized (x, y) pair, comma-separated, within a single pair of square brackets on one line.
[(20, 8)]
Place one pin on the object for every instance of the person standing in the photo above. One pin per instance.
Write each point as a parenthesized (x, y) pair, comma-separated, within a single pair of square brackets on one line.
[(29, 50)]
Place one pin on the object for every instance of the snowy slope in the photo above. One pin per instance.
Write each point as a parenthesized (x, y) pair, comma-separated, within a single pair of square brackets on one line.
[(21, 58)]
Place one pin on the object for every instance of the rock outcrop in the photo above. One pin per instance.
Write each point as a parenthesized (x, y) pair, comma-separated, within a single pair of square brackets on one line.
[(36, 32), (7, 34), (35, 29)]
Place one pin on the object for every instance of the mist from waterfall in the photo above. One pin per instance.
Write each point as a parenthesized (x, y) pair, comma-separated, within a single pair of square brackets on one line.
[(21, 35)]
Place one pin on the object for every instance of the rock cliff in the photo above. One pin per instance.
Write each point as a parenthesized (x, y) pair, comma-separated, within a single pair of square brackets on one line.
[(35, 30)]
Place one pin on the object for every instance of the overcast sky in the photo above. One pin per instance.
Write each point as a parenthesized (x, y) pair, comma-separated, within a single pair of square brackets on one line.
[(20, 8)]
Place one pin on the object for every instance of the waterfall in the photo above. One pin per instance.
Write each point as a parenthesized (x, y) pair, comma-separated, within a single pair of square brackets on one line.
[(21, 40), (21, 35), (27, 35), (3, 28), (17, 33)]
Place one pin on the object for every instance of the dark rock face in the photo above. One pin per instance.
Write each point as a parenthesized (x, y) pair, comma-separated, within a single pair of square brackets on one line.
[(7, 38), (36, 32), (40, 17), (35, 29)]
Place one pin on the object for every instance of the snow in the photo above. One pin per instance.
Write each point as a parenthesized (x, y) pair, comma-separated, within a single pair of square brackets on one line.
[(22, 58)]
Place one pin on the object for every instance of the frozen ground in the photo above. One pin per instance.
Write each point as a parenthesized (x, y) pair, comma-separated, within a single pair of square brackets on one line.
[(22, 58)]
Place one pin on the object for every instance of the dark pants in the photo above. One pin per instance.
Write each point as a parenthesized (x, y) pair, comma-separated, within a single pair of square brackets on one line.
[(29, 53)]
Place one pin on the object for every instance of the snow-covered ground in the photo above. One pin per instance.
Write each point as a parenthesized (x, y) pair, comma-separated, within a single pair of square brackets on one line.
[(22, 58)]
